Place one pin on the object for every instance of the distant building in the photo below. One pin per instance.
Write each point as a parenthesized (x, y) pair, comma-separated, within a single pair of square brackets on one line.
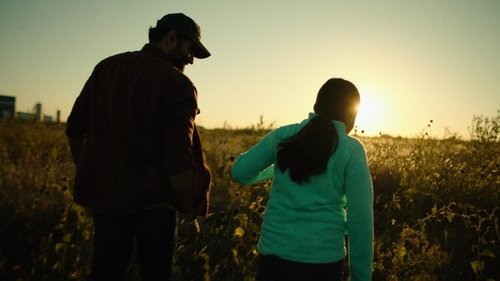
[(35, 114), (7, 107), (38, 112), (47, 118), (8, 110), (25, 116)]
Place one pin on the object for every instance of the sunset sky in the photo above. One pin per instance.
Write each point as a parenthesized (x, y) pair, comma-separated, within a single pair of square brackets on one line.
[(412, 61)]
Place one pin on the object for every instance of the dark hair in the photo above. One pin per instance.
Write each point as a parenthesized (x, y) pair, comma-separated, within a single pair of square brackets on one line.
[(155, 34), (307, 153)]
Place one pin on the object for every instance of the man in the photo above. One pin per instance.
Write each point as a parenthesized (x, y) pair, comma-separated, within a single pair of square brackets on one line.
[(134, 141)]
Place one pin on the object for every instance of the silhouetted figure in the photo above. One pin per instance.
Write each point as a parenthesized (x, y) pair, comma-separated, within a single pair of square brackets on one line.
[(318, 172), (138, 155)]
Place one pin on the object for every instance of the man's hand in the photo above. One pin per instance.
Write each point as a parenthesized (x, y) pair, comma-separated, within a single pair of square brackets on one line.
[(189, 229), (192, 231)]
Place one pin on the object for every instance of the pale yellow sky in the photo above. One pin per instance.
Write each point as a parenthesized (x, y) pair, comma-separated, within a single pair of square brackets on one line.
[(412, 61)]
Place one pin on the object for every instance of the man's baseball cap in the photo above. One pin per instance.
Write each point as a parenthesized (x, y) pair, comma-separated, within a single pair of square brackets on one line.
[(185, 26)]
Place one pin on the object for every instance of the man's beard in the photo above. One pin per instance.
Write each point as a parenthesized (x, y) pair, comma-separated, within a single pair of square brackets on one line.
[(179, 65), (178, 59)]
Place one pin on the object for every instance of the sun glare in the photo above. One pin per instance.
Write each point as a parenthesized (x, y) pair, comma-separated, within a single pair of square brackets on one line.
[(370, 114)]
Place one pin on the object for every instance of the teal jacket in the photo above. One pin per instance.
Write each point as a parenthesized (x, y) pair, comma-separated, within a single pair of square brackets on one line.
[(308, 222)]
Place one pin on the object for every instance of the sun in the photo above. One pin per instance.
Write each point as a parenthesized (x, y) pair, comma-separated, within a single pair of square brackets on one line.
[(370, 114)]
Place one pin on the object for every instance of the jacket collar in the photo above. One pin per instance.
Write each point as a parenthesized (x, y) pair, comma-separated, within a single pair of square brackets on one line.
[(338, 124), (156, 51)]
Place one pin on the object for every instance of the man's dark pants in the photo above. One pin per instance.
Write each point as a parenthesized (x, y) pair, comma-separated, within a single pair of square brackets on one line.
[(152, 230)]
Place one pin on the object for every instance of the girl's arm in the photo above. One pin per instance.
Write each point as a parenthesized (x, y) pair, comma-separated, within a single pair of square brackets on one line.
[(256, 164), (359, 193)]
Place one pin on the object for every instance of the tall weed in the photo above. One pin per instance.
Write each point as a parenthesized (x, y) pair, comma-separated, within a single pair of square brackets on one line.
[(436, 208)]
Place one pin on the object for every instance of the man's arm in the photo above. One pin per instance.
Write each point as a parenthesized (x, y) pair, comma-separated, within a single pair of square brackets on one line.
[(76, 148), (77, 123), (178, 133)]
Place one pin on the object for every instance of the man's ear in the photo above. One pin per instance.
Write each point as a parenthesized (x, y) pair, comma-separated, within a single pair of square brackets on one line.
[(171, 37), (169, 41)]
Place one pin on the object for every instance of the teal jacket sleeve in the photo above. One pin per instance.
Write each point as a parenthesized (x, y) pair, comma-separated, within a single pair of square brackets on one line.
[(256, 164), (359, 194)]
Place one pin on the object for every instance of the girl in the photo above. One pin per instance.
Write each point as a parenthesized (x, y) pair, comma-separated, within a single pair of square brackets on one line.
[(321, 191)]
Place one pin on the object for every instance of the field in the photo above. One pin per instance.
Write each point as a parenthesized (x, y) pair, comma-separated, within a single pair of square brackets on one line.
[(437, 208)]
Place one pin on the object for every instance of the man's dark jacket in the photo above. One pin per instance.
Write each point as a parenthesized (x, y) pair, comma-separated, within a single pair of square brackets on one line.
[(136, 115)]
